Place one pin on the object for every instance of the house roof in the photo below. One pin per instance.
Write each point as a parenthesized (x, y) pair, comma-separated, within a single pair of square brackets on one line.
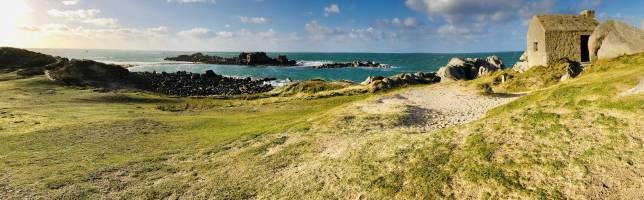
[(567, 22)]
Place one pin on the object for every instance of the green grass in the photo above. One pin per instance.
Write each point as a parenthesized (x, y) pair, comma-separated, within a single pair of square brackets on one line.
[(577, 139), (57, 136)]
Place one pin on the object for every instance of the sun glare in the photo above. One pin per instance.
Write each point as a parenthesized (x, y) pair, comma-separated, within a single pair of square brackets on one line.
[(13, 15)]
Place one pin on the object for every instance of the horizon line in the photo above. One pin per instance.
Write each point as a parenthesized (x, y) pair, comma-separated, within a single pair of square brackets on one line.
[(237, 51)]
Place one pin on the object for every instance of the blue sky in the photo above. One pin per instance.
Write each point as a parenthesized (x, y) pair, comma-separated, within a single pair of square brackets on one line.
[(290, 25)]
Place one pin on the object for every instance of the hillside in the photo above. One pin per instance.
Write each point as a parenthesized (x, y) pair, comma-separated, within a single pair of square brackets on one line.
[(581, 138)]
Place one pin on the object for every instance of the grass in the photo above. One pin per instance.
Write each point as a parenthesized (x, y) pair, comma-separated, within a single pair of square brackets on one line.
[(510, 81), (577, 139), (57, 136)]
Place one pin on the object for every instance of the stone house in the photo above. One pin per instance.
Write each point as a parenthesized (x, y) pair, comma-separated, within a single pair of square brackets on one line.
[(553, 37)]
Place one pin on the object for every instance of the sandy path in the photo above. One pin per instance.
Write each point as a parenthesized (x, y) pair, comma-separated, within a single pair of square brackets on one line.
[(437, 106)]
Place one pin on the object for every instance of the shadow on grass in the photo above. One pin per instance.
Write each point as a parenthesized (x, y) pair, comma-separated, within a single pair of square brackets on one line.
[(506, 95), (122, 98)]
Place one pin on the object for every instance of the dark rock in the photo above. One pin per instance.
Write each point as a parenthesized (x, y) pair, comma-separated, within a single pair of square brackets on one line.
[(572, 69), (353, 64), (245, 58), (190, 84)]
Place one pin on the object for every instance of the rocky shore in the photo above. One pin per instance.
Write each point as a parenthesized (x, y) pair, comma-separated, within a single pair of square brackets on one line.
[(110, 76), (193, 84), (371, 64), (96, 74), (246, 58)]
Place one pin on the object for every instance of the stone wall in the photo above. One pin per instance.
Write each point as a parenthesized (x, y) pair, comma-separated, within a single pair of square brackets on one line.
[(564, 44), (536, 33)]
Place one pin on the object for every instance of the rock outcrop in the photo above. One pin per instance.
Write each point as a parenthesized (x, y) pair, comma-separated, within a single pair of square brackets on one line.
[(380, 82), (613, 38), (252, 58), (27, 63), (522, 64), (193, 84), (371, 64), (88, 72), (469, 68)]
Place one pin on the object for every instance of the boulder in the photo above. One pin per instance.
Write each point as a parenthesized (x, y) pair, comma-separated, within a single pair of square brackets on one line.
[(492, 64), (88, 72), (613, 38), (522, 64), (379, 82), (371, 79), (495, 62), (469, 68)]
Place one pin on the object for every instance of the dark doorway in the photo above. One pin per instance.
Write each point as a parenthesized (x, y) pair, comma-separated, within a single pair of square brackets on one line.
[(585, 56)]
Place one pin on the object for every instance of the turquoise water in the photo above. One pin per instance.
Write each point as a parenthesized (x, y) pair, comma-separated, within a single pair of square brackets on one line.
[(401, 62)]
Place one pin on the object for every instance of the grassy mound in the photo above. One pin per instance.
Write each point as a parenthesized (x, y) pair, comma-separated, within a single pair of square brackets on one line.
[(310, 87), (510, 81), (27, 63)]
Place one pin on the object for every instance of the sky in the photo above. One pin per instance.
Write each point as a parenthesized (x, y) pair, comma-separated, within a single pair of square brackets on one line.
[(394, 26)]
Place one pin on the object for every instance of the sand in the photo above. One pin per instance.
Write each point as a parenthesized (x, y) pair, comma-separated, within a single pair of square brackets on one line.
[(438, 106)]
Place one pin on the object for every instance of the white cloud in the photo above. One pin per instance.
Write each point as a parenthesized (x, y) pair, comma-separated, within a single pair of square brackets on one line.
[(407, 22), (396, 21), (369, 34), (200, 33), (196, 33), (317, 31), (331, 9), (161, 30), (225, 34), (88, 16), (254, 20), (109, 22), (474, 16), (70, 2), (410, 21), (74, 15)]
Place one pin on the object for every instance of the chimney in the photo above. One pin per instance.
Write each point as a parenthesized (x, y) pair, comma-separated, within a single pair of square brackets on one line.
[(588, 13)]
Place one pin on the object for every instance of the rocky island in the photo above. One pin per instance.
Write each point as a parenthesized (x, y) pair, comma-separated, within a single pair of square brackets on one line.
[(245, 58), (371, 64)]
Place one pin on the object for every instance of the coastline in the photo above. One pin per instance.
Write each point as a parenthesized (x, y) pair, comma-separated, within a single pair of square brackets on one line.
[(400, 62)]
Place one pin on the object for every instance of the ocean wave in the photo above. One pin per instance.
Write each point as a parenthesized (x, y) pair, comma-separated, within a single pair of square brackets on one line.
[(314, 63), (279, 82), (318, 63), (132, 64)]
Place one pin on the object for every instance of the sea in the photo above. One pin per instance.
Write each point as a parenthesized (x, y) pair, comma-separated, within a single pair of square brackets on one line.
[(141, 61)]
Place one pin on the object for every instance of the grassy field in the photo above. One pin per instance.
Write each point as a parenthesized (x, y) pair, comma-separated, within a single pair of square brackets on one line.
[(54, 136), (576, 139)]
